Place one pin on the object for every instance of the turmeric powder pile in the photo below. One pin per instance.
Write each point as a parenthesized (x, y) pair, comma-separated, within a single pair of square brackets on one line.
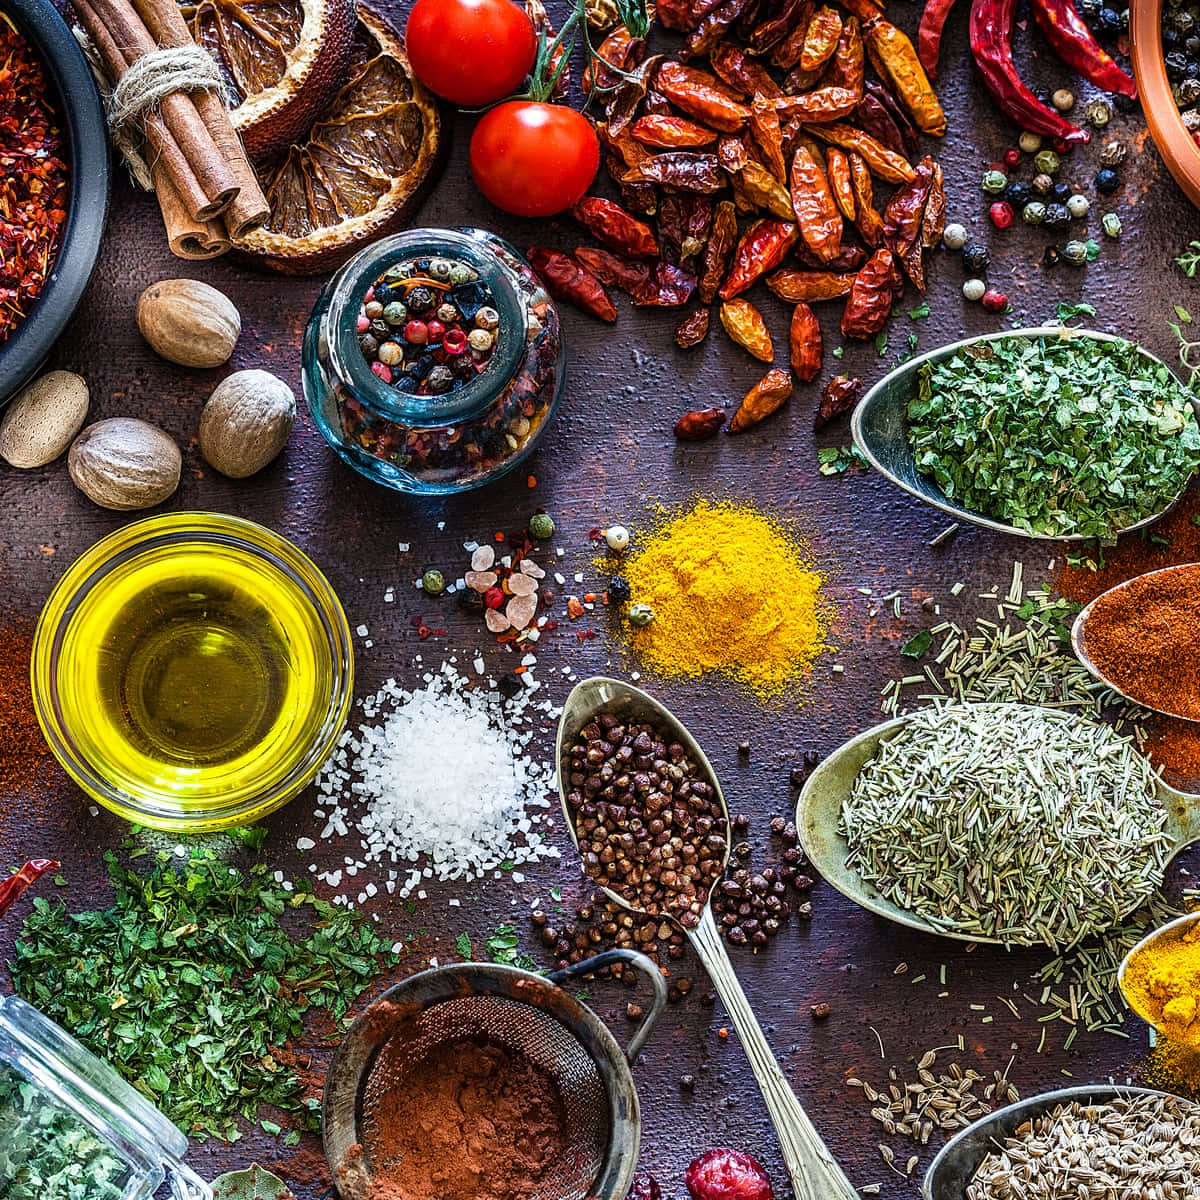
[(732, 593), (1163, 981)]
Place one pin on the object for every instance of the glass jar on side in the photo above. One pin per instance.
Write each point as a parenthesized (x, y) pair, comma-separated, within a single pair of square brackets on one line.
[(433, 360), (70, 1126)]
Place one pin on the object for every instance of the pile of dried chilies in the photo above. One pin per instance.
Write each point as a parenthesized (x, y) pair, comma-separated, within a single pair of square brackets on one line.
[(991, 33), (798, 151)]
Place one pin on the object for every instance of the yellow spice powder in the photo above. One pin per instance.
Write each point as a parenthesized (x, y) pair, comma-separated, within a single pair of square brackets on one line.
[(733, 593), (1164, 981)]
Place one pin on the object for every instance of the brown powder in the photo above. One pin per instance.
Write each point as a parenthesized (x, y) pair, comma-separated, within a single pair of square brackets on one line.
[(472, 1120)]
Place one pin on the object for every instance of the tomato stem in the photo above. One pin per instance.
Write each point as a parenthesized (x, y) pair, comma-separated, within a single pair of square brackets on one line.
[(554, 55)]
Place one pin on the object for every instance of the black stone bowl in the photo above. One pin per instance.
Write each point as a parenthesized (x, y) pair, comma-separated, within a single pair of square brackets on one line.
[(79, 105)]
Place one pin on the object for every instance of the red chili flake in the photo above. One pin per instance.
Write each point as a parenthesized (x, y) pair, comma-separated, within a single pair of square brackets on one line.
[(33, 179)]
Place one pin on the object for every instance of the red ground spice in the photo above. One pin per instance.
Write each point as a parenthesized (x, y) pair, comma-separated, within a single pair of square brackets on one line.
[(24, 755), (33, 179)]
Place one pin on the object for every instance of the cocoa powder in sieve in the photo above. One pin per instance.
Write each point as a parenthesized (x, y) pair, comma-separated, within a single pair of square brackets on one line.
[(472, 1120)]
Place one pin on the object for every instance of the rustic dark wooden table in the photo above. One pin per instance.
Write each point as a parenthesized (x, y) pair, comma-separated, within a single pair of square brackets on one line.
[(609, 456)]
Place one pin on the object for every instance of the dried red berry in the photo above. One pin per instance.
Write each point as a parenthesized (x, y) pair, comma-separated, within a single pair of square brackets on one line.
[(455, 342), (416, 333), (494, 597), (1012, 157), (994, 300), (435, 329), (727, 1175), (363, 323), (644, 1188), (382, 370), (1001, 214)]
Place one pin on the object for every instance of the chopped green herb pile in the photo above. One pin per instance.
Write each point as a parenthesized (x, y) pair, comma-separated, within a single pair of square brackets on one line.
[(1061, 435), (189, 981)]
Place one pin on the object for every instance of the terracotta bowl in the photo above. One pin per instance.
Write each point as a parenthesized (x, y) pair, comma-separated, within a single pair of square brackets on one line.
[(1171, 136)]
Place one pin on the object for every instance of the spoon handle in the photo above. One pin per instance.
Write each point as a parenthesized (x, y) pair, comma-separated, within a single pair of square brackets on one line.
[(814, 1172)]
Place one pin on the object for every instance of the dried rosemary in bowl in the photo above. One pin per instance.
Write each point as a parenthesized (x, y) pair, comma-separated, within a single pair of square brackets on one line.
[(1010, 822)]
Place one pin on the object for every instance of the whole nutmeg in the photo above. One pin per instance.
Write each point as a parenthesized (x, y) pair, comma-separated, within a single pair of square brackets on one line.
[(189, 322), (123, 463), (246, 422), (42, 420)]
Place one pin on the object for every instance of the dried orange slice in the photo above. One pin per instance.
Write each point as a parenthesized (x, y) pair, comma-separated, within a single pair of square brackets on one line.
[(283, 61), (363, 168)]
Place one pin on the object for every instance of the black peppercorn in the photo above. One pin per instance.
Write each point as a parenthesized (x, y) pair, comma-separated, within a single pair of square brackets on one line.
[(509, 685), (1107, 181), (1062, 192), (420, 300), (1057, 216), (1051, 257), (619, 590), (1108, 20), (975, 257), (470, 599), (1018, 194)]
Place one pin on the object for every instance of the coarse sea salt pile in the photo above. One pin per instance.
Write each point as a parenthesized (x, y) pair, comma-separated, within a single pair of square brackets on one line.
[(441, 780)]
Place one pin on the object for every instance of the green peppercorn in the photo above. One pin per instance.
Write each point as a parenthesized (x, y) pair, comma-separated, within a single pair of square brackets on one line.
[(1034, 213), (1075, 252), (1047, 162), (433, 582), (541, 526), (460, 273), (1111, 224), (640, 615), (994, 182), (395, 313)]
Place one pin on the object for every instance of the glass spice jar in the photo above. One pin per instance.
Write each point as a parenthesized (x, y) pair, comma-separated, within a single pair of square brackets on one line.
[(374, 407), (71, 1127)]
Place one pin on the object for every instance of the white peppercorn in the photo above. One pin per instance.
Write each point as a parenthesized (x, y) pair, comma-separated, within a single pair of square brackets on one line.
[(1063, 99), (1030, 143), (973, 290), (1078, 206), (954, 236)]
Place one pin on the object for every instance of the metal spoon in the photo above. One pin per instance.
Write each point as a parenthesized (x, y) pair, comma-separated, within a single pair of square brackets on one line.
[(880, 429), (819, 808), (1079, 640), (814, 1173), (960, 1158), (1172, 929)]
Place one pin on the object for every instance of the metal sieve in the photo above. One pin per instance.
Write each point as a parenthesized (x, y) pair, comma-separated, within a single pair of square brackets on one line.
[(532, 1017)]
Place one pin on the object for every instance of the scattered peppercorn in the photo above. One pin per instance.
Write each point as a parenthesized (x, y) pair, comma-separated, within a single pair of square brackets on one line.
[(1107, 181), (1018, 194), (619, 590), (1111, 224), (994, 300), (1034, 213), (954, 236), (1113, 154), (1001, 214), (975, 257), (433, 582), (1098, 112), (821, 1011), (640, 615), (1031, 143), (1078, 206), (1051, 257), (1057, 216), (616, 537), (1076, 253), (1063, 100), (541, 526), (1047, 162), (1043, 184), (994, 182), (973, 290)]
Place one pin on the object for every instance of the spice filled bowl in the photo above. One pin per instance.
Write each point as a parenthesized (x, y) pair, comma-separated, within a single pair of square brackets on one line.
[(56, 184), (70, 1126), (192, 671), (434, 361), (487, 1080), (1160, 979)]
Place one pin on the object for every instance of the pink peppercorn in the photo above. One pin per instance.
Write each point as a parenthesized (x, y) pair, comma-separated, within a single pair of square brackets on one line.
[(1001, 214), (493, 597), (994, 300), (455, 342), (435, 330), (363, 323), (1012, 157), (416, 333), (382, 370), (370, 295)]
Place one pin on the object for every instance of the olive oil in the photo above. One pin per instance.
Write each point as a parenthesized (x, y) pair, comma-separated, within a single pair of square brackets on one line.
[(197, 676)]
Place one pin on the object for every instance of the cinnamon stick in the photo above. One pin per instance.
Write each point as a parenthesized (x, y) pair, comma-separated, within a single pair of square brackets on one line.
[(188, 238), (249, 209), (159, 139), (178, 111)]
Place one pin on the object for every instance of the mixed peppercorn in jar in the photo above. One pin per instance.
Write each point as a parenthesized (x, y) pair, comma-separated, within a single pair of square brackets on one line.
[(433, 360)]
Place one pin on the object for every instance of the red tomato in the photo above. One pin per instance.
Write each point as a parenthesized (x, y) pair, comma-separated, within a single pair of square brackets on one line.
[(534, 159), (471, 52)]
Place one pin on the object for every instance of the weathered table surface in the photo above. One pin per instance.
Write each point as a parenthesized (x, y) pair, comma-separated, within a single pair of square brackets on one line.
[(608, 457)]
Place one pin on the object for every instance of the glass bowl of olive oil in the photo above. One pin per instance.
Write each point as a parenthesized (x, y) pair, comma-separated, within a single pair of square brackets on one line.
[(192, 671)]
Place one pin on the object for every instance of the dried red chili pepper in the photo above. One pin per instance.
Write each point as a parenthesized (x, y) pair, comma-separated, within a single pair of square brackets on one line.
[(786, 53), (622, 145), (866, 220), (732, 154), (870, 298), (658, 284), (33, 179), (817, 214), (671, 133), (768, 136), (702, 96), (805, 348), (566, 280), (682, 169), (824, 104), (837, 168), (847, 68), (701, 41), (721, 240), (1072, 40), (737, 70), (809, 286), (624, 102), (684, 222), (873, 116), (672, 286), (619, 51), (700, 423), (839, 395), (865, 10), (821, 39), (766, 191), (762, 248), (689, 333), (885, 163), (638, 197), (904, 211), (747, 327), (680, 15), (894, 57), (850, 257), (613, 227), (774, 29), (15, 886), (767, 396), (929, 33), (933, 223), (991, 29)]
